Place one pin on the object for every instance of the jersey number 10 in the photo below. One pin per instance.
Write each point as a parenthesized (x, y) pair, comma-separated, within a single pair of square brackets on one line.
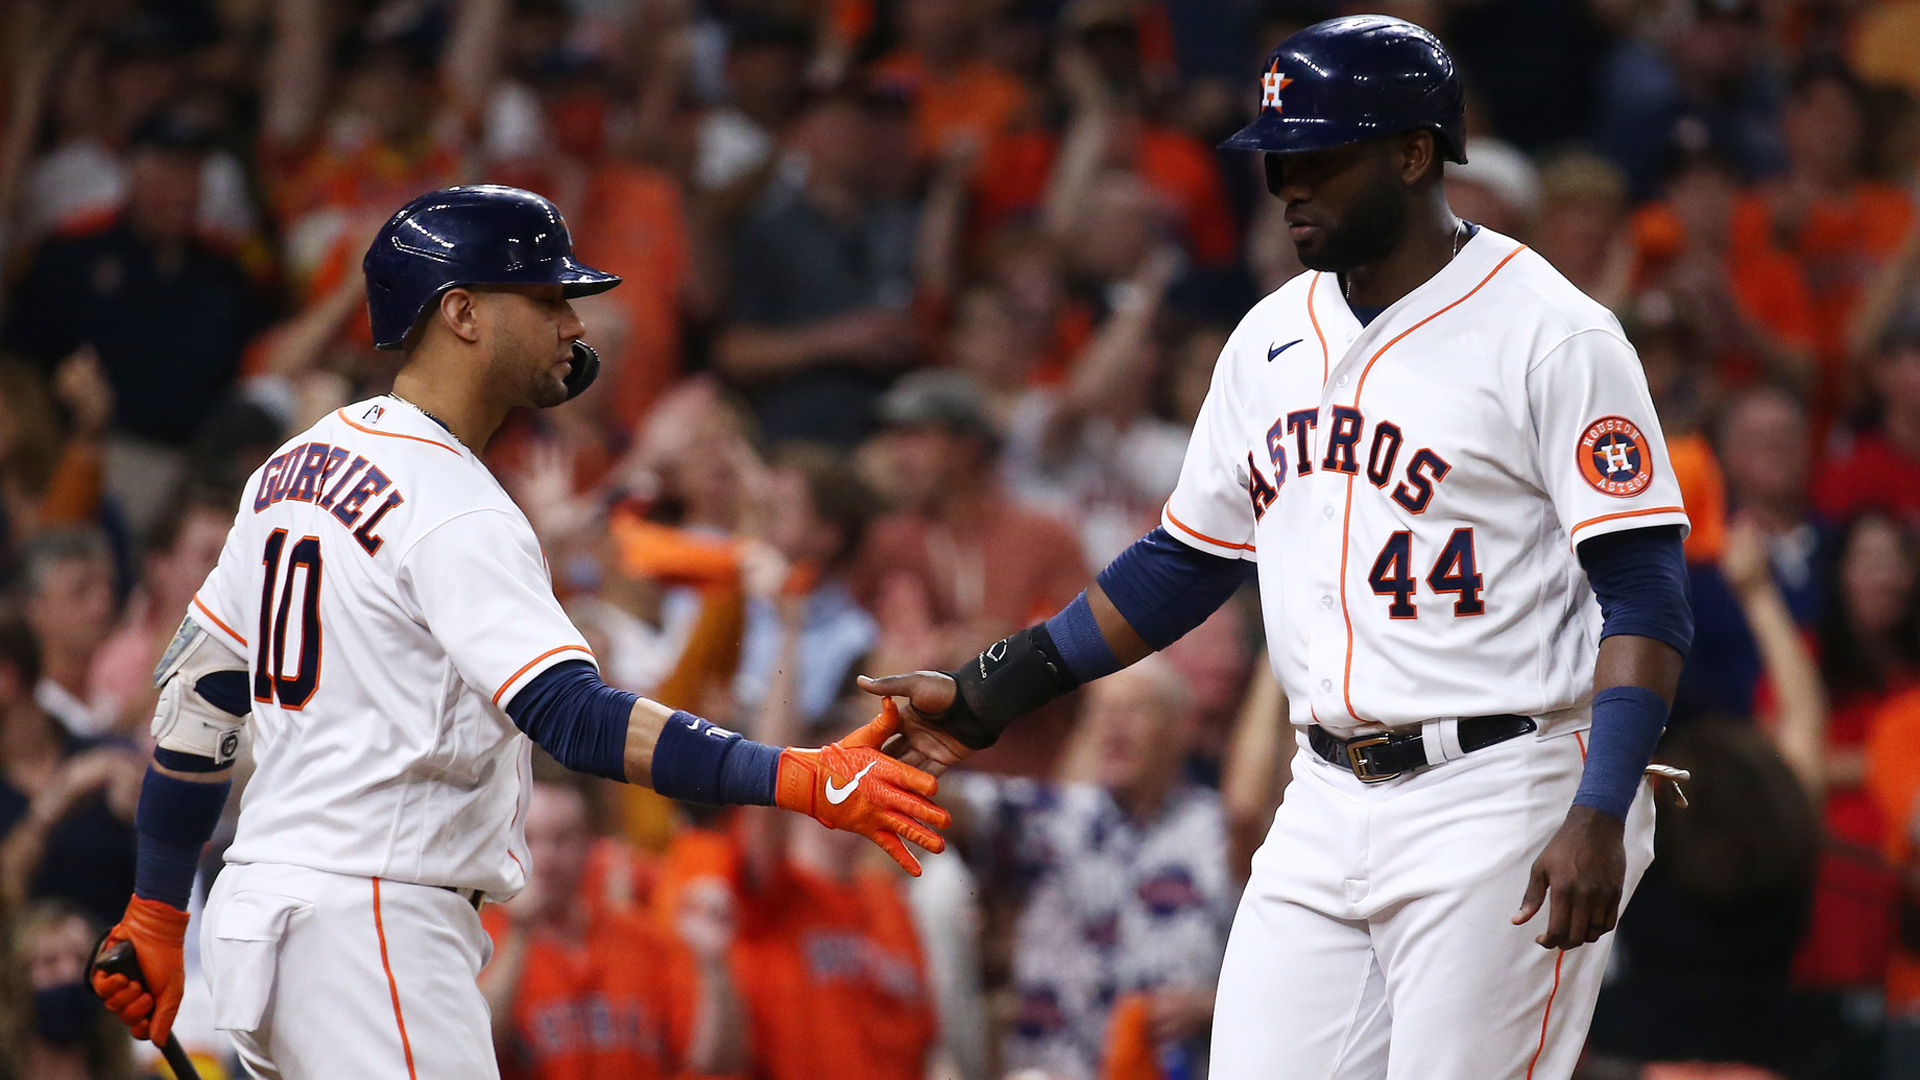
[(270, 679)]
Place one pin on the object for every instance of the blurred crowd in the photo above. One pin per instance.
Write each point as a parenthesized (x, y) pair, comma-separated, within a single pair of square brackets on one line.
[(922, 297)]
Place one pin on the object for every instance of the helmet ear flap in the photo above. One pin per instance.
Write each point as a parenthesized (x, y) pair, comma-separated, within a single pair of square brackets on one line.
[(585, 369)]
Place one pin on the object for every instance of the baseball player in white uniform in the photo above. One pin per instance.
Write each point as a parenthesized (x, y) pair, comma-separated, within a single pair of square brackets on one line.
[(383, 616), (1444, 464)]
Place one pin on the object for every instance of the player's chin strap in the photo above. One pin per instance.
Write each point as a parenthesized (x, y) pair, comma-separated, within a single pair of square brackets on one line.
[(585, 369)]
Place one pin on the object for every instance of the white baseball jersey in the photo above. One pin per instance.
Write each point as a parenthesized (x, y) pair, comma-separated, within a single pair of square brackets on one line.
[(390, 599), (1412, 490)]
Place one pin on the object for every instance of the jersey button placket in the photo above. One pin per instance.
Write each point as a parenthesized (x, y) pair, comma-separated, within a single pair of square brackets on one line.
[(1328, 643)]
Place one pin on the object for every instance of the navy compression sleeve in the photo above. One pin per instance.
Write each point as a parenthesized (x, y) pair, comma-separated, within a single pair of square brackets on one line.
[(583, 722), (1163, 588), (578, 719), (172, 822), (1640, 579)]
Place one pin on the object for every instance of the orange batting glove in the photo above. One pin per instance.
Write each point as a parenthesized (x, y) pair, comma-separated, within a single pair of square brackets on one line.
[(851, 785), (158, 932)]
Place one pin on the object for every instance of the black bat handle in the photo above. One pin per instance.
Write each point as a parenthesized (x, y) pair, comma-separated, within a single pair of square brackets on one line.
[(120, 960)]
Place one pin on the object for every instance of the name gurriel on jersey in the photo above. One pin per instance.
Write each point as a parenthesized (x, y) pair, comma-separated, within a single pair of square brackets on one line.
[(306, 474)]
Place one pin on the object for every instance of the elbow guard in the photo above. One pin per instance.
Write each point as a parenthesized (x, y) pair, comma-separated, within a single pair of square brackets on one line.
[(204, 702)]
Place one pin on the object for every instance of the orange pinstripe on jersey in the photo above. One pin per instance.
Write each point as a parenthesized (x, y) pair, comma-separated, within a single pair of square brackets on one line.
[(1346, 680), (1318, 335)]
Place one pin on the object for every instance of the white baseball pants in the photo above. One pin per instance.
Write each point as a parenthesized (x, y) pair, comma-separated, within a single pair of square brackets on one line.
[(318, 975), (1374, 943)]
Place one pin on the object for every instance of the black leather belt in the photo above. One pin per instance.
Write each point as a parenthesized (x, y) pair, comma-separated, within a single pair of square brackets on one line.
[(471, 896), (1374, 758)]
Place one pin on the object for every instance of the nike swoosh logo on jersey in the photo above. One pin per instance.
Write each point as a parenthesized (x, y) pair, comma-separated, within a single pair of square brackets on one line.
[(1273, 352), (837, 795)]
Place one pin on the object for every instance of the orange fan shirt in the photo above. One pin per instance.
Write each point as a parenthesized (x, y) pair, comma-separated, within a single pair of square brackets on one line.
[(1893, 783), (1841, 239), (834, 979), (975, 101), (616, 1004)]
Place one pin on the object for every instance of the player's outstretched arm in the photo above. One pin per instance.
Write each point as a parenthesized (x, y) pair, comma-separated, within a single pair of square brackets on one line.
[(592, 727), (847, 785), (1145, 600), (204, 701)]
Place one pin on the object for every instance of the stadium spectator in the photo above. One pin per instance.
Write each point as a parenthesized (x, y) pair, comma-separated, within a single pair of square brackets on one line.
[(1750, 303), (955, 91), (1839, 224), (366, 137), (1867, 651), (50, 477), (822, 278), (138, 69), (801, 613), (181, 551), (924, 570), (1121, 878), (69, 602), (166, 312), (1705, 949), (1092, 451), (1765, 451), (66, 805), (1498, 187), (832, 967), (63, 1033), (1882, 468), (579, 989), (1701, 78), (1582, 229), (765, 72)]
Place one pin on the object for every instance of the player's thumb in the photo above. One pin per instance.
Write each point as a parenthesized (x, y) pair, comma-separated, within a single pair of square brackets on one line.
[(1536, 894), (878, 730)]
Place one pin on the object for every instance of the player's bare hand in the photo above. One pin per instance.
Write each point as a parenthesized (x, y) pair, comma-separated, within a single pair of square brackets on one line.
[(921, 697), (158, 932), (851, 785), (1582, 875)]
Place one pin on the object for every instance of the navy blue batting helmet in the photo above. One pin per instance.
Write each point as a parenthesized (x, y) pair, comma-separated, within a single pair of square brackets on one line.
[(1355, 78), (484, 234)]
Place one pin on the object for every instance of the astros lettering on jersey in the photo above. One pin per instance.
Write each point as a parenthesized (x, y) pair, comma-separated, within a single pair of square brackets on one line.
[(1412, 490), (437, 600)]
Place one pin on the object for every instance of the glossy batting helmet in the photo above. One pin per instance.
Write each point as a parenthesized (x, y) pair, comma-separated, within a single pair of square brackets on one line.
[(1355, 78), (485, 234)]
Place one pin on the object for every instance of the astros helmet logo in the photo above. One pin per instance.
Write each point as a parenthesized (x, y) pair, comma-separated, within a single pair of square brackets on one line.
[(1615, 458), (1271, 84)]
